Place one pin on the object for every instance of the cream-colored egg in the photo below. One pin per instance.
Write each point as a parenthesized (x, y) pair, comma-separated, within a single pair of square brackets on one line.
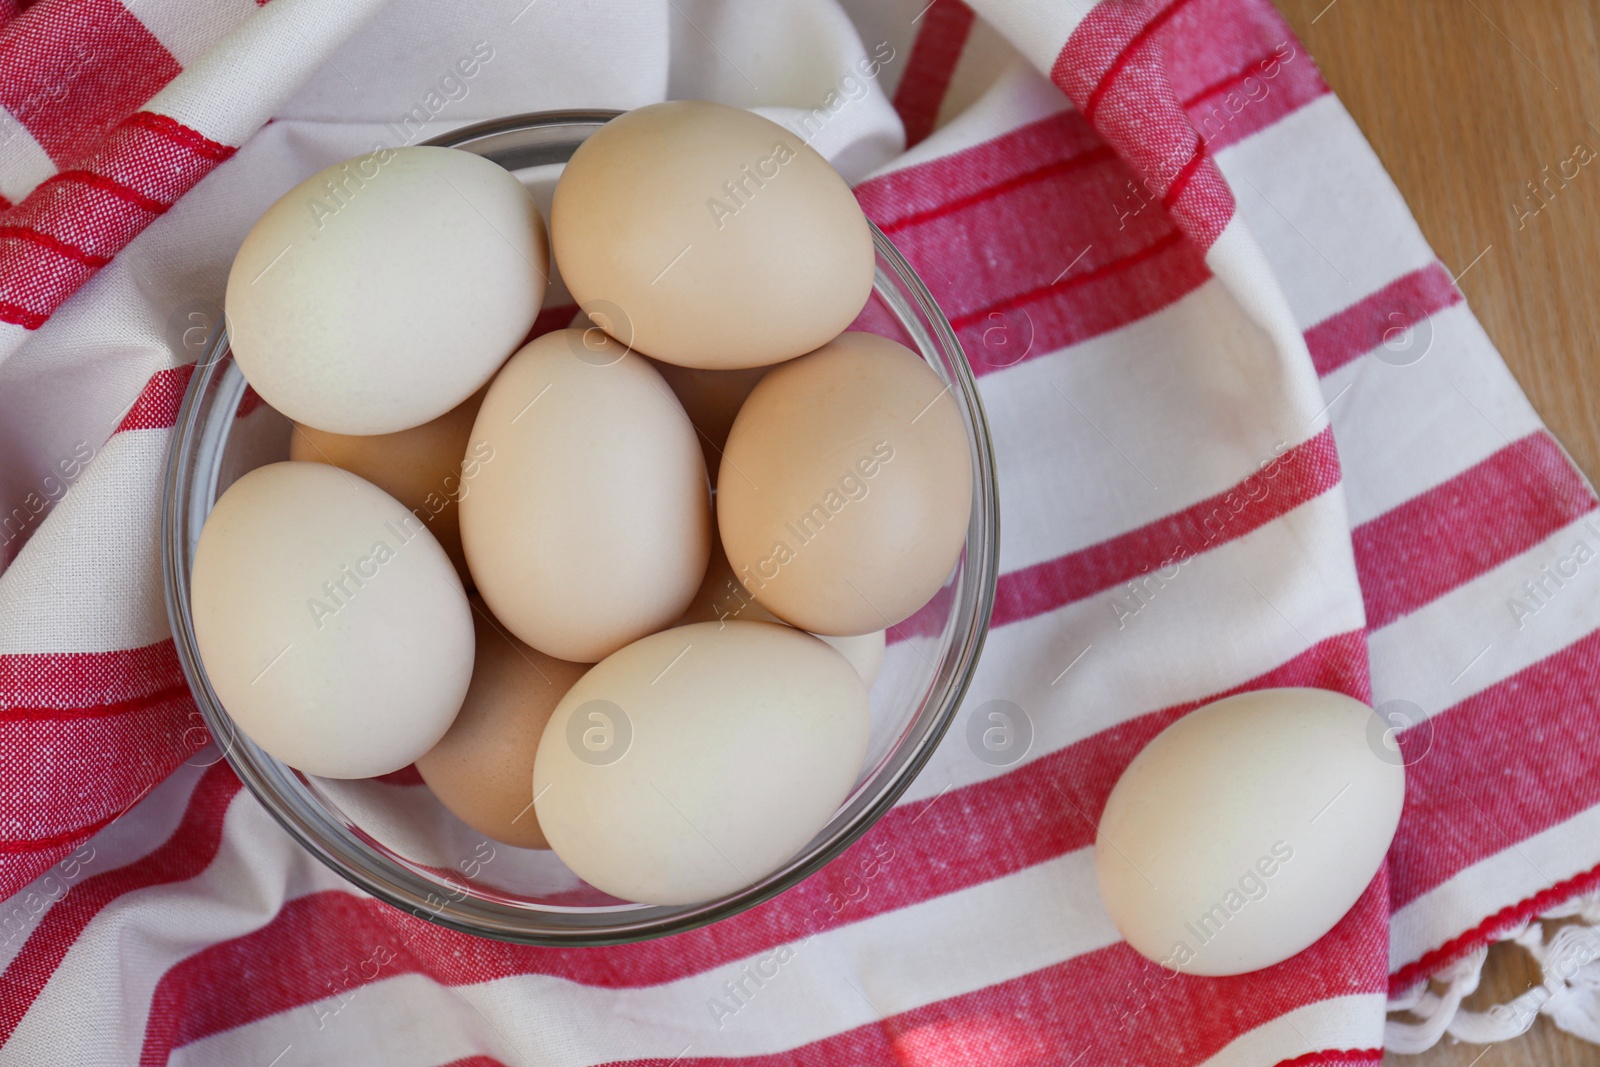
[(426, 468), (846, 486), (482, 769), (698, 760), (708, 236), (722, 599), (383, 291), (592, 526), (330, 622), (1247, 829), (864, 651)]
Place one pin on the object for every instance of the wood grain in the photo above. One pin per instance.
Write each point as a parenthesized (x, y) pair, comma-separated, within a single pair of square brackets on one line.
[(1467, 102)]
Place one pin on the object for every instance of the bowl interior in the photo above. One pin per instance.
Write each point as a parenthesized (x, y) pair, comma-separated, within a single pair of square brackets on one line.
[(388, 835)]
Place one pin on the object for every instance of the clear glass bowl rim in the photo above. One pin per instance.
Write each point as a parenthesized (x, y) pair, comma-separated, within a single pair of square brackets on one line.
[(349, 853)]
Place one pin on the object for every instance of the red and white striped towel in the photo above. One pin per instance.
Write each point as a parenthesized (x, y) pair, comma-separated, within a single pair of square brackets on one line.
[(1171, 257)]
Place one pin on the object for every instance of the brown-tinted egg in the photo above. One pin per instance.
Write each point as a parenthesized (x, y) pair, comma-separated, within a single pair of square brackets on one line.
[(846, 487), (426, 468), (711, 399), (482, 769), (708, 236)]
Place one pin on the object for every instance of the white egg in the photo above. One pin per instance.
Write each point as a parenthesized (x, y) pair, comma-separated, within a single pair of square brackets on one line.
[(696, 761), (332, 626), (1248, 828), (383, 291)]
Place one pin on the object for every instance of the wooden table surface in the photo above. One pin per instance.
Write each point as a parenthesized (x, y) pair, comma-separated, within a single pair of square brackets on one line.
[(1466, 102)]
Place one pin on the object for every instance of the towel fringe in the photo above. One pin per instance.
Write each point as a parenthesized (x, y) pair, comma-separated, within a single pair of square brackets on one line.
[(1569, 991)]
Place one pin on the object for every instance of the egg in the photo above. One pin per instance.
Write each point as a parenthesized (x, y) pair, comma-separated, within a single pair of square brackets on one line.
[(696, 761), (331, 624), (846, 487), (1247, 829), (385, 290), (711, 399), (721, 598), (426, 468), (708, 236), (482, 769), (864, 652), (592, 526)]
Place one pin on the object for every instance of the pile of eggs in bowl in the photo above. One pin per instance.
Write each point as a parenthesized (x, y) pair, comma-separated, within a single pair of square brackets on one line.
[(618, 591)]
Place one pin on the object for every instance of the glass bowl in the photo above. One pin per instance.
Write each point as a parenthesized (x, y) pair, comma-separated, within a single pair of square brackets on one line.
[(388, 835)]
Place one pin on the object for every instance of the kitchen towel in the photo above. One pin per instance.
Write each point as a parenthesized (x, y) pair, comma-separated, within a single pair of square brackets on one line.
[(1248, 433)]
